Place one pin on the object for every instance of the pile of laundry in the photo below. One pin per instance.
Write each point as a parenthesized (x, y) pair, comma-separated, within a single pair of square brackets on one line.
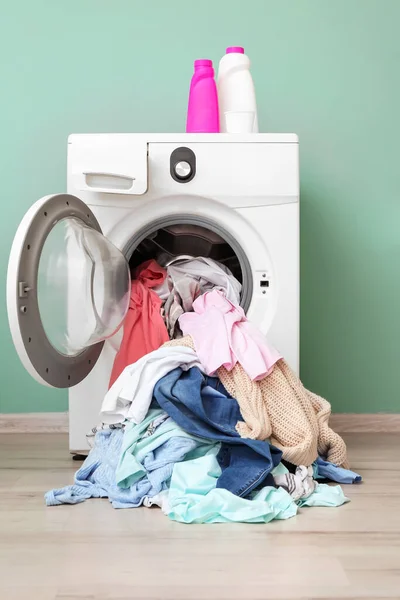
[(203, 418)]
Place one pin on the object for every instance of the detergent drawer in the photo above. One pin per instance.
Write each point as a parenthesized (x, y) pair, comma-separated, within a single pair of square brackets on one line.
[(104, 164)]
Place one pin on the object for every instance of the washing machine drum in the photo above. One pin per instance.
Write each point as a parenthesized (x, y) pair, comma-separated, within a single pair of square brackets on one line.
[(186, 241), (189, 236)]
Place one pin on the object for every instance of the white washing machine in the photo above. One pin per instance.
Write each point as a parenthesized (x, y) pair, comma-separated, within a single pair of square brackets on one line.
[(68, 286)]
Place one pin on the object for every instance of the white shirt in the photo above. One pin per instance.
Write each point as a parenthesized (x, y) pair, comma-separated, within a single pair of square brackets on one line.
[(131, 394)]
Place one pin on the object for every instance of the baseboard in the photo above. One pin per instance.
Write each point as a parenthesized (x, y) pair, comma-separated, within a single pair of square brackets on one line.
[(365, 423), (54, 422), (58, 423)]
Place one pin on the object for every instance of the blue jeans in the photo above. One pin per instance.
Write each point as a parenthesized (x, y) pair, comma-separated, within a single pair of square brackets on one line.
[(202, 407), (327, 470)]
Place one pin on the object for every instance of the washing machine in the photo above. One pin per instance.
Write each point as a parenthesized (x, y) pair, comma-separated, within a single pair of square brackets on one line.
[(234, 198)]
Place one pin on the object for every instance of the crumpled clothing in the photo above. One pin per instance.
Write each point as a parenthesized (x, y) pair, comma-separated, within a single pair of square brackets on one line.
[(193, 497), (327, 470), (157, 500), (144, 328), (325, 495), (281, 409), (298, 485), (190, 278), (91, 435), (157, 443), (137, 383), (97, 477), (234, 339), (153, 425), (202, 407)]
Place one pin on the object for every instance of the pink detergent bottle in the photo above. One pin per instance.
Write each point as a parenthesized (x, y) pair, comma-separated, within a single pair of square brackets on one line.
[(203, 113)]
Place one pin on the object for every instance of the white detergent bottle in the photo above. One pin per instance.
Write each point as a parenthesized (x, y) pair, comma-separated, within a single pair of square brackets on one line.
[(236, 93)]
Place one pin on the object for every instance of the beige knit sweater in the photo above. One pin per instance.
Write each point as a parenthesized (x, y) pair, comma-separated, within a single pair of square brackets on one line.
[(280, 409)]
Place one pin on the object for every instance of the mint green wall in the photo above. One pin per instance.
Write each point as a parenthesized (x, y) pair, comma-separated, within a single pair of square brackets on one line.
[(328, 71)]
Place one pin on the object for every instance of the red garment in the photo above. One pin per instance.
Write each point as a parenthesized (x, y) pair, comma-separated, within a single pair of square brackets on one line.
[(144, 328)]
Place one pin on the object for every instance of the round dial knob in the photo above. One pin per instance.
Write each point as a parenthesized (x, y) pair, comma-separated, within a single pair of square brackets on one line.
[(182, 169)]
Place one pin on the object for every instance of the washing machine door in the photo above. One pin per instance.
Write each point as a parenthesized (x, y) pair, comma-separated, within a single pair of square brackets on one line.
[(68, 290)]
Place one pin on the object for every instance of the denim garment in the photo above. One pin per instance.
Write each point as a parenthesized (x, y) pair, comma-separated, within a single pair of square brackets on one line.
[(202, 407), (326, 470)]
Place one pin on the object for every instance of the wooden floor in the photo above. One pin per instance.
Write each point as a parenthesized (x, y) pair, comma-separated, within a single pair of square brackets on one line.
[(91, 551)]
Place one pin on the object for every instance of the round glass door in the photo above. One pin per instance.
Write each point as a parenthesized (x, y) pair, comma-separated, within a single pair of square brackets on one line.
[(68, 290), (83, 287)]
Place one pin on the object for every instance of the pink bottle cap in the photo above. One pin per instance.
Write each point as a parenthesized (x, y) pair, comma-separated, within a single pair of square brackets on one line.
[(237, 49), (203, 62)]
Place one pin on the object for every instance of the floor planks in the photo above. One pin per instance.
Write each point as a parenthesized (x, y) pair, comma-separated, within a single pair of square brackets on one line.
[(91, 551)]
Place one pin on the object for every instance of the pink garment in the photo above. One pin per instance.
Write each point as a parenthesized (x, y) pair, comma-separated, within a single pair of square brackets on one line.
[(223, 336), (144, 328)]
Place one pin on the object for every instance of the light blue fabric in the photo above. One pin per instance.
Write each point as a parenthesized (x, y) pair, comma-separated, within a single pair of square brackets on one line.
[(325, 495), (194, 498), (97, 476), (141, 440), (279, 470), (326, 470)]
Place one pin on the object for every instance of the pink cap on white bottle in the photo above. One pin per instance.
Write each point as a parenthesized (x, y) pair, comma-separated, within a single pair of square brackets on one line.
[(236, 94), (237, 49)]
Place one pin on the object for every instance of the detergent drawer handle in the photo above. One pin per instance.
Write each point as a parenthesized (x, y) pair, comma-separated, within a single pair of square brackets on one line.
[(108, 182)]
